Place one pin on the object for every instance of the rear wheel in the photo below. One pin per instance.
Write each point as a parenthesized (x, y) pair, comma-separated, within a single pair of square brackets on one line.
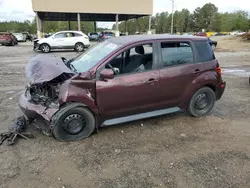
[(79, 47), (71, 124), (202, 102), (12, 43), (45, 48)]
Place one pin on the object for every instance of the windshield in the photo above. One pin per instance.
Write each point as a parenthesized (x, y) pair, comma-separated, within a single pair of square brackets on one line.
[(89, 59)]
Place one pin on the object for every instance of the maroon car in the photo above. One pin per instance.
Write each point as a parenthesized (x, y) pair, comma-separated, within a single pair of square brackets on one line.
[(7, 39), (201, 34), (119, 80)]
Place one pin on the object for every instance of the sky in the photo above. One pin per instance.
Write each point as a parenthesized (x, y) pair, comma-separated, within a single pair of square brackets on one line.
[(21, 10)]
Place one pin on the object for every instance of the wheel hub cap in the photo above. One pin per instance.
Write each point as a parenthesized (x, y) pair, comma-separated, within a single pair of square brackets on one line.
[(79, 48), (74, 123), (201, 101)]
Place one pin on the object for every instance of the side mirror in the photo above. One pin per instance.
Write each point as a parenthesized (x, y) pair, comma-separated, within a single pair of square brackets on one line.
[(107, 74)]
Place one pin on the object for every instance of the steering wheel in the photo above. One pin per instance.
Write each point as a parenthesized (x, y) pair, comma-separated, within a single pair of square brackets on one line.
[(112, 68)]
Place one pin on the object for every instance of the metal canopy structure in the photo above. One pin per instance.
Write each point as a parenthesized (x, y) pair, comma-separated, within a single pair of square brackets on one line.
[(59, 16), (85, 10)]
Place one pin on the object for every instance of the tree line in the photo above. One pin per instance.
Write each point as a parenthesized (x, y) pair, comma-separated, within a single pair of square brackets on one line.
[(206, 17), (48, 26)]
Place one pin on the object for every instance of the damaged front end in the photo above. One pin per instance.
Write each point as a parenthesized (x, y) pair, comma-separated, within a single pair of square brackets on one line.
[(40, 100)]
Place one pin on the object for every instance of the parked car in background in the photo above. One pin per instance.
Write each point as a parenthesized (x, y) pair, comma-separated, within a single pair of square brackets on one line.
[(106, 35), (122, 34), (76, 40), (28, 36), (212, 43), (8, 39), (20, 37), (237, 33), (93, 36), (201, 34), (119, 80), (220, 34)]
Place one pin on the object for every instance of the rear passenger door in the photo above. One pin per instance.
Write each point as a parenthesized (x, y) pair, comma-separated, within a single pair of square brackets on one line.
[(179, 68), (69, 40)]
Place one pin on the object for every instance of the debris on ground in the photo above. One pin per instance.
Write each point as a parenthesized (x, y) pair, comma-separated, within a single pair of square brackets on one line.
[(16, 129)]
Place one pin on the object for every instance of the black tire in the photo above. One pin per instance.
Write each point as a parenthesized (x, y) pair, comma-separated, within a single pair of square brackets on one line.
[(202, 102), (73, 123), (12, 43), (79, 47), (45, 48)]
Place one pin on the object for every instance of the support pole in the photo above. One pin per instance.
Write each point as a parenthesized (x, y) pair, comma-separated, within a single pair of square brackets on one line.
[(79, 21), (39, 26), (149, 24), (126, 28), (137, 25), (172, 23), (95, 27), (117, 33), (69, 25)]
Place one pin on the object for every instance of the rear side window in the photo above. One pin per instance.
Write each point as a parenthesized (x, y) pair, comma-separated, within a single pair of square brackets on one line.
[(176, 53), (77, 35), (205, 51)]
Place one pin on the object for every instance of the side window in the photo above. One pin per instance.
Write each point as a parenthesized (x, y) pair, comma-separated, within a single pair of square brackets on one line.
[(133, 60), (69, 34), (60, 35), (176, 53), (205, 51), (138, 59), (77, 35)]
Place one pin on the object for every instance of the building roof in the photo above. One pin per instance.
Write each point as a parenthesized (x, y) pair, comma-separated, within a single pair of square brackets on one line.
[(58, 10), (138, 38)]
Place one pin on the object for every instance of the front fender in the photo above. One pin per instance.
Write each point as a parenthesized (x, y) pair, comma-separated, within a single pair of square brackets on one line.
[(80, 91)]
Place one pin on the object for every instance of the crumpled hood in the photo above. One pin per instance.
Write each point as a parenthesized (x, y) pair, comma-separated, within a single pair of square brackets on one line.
[(44, 68)]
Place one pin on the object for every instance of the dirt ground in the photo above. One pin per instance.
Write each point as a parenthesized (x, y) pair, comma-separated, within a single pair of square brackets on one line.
[(174, 151)]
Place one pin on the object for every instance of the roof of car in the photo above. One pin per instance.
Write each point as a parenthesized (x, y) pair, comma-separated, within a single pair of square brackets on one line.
[(69, 31), (140, 38)]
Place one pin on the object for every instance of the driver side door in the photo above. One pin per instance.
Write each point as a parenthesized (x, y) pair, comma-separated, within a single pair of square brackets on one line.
[(131, 92)]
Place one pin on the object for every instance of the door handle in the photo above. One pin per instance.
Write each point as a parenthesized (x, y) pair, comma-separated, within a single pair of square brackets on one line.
[(151, 81), (197, 71)]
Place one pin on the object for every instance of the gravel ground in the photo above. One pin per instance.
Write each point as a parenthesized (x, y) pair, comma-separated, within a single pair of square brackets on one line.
[(170, 151)]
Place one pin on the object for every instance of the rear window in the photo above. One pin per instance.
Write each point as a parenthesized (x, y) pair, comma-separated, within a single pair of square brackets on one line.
[(108, 34), (205, 51), (176, 53)]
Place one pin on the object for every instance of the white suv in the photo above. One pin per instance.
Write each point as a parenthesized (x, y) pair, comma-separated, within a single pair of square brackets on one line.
[(63, 40)]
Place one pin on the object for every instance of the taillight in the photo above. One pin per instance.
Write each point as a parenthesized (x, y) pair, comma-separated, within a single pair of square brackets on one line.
[(218, 70)]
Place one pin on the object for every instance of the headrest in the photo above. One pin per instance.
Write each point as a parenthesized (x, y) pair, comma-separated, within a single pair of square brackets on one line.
[(139, 50)]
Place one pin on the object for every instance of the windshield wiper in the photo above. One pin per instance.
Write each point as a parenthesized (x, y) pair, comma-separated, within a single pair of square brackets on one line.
[(72, 67)]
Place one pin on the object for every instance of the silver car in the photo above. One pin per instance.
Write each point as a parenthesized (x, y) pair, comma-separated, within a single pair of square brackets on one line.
[(20, 37)]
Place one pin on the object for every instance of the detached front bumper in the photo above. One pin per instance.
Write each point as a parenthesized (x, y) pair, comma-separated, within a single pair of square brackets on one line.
[(33, 111)]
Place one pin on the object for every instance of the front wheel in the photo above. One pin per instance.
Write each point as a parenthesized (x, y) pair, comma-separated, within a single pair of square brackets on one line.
[(202, 102), (79, 47), (72, 124), (45, 48)]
